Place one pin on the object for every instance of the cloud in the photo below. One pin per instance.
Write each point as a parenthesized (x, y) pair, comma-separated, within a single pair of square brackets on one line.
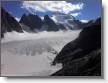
[(84, 21), (18, 19), (53, 6), (75, 14)]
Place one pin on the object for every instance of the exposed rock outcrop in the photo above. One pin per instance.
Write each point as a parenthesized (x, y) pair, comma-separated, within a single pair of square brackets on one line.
[(51, 25)]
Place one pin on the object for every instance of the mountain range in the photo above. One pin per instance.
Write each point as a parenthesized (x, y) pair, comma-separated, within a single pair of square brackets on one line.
[(33, 23), (80, 57)]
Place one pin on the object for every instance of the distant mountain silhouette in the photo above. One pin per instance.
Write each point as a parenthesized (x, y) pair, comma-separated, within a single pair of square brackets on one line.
[(82, 57), (36, 23), (33, 23), (9, 23)]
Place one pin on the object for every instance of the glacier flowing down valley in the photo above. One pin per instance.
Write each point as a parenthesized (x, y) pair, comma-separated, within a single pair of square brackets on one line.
[(31, 54)]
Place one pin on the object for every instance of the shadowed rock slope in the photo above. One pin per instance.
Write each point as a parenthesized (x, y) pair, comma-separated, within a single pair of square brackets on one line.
[(8, 23), (82, 57)]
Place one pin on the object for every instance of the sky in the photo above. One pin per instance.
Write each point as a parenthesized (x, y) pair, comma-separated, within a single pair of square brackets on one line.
[(80, 9)]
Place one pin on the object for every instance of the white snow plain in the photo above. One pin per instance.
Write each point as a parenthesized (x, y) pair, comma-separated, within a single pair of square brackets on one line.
[(31, 54)]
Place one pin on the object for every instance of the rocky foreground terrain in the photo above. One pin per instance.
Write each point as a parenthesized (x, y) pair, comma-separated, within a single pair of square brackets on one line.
[(82, 57)]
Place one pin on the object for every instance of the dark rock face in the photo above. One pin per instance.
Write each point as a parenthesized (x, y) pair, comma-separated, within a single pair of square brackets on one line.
[(33, 21), (51, 25), (8, 23), (82, 57), (61, 27), (91, 22), (79, 25), (75, 24)]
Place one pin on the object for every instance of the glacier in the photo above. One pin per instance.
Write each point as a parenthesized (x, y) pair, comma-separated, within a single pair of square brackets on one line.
[(31, 54)]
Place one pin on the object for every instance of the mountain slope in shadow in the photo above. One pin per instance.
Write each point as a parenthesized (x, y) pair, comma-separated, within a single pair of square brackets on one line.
[(8, 23), (82, 57)]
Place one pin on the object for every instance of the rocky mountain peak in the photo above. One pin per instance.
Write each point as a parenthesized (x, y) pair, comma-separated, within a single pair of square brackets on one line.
[(33, 21)]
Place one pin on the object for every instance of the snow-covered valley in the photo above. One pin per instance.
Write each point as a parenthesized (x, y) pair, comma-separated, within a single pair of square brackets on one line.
[(31, 54)]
